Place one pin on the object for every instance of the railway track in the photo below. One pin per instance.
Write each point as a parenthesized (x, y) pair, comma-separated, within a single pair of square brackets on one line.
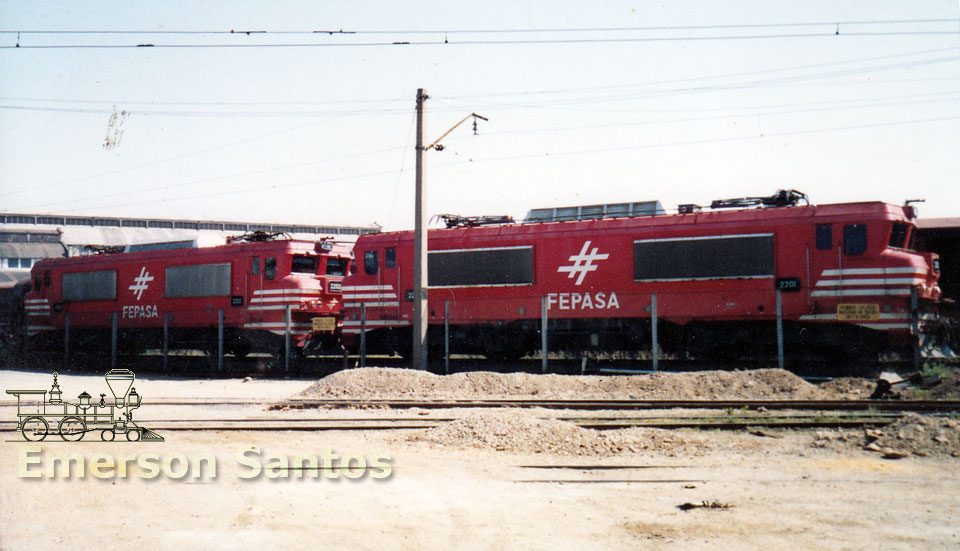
[(723, 421), (920, 406)]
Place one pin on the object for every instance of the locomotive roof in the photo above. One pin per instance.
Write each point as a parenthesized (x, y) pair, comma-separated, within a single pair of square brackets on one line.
[(836, 211), (261, 247)]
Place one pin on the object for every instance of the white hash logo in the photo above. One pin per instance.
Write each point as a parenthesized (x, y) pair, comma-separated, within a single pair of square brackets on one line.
[(140, 282), (583, 263)]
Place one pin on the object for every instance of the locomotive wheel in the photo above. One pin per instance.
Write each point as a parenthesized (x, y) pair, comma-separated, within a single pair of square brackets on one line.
[(133, 435), (107, 435), (35, 429), (72, 429)]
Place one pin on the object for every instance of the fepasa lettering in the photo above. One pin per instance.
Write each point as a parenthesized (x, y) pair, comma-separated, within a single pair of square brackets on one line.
[(583, 301), (138, 312)]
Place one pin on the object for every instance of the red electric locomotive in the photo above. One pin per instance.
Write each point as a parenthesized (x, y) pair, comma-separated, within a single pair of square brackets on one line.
[(847, 274), (250, 285)]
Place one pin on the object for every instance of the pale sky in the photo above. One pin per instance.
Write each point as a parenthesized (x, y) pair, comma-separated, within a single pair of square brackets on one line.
[(684, 102)]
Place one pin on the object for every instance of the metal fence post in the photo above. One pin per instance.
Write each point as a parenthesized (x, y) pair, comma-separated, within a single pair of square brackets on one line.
[(446, 336), (779, 331), (66, 340), (220, 339), (543, 334), (166, 340), (286, 341), (655, 342), (363, 335), (113, 340), (915, 326)]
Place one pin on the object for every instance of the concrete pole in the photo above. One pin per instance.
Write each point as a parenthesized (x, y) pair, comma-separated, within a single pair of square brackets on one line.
[(543, 334), (655, 342), (420, 276), (779, 330)]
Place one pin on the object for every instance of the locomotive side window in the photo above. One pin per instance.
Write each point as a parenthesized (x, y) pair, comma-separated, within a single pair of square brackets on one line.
[(255, 266), (46, 278), (202, 280), (336, 266), (90, 286), (481, 267), (898, 235), (270, 268), (304, 264), (371, 264), (390, 258), (824, 237), (686, 258), (854, 239), (37, 282)]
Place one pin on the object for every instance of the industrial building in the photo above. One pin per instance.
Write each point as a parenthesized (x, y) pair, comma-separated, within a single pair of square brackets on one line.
[(28, 238)]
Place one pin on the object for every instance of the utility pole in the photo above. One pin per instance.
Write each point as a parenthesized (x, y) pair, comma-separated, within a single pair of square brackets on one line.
[(420, 263), (420, 252)]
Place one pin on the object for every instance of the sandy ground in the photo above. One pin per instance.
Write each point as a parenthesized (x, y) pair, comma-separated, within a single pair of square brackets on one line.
[(781, 492)]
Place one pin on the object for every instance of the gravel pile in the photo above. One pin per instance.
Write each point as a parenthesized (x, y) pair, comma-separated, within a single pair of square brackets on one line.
[(948, 389), (389, 383), (912, 434), (918, 435), (522, 432), (848, 388)]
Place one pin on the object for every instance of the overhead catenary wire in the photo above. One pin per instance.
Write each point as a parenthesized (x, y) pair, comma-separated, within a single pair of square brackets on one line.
[(544, 155), (445, 42), (341, 31)]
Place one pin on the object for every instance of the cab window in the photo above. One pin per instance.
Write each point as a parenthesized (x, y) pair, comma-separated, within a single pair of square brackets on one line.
[(303, 265), (255, 266), (854, 239), (390, 258), (898, 235), (371, 262), (336, 266), (270, 268)]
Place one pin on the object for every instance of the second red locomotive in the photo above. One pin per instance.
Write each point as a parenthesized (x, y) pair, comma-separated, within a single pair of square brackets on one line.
[(848, 276), (255, 290)]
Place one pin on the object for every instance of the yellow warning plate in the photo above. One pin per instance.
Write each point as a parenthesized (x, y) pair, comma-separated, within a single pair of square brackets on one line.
[(858, 312), (324, 324)]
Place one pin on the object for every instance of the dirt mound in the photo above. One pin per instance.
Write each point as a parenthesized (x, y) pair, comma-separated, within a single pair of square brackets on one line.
[(848, 388), (948, 389), (387, 383), (522, 432), (919, 435)]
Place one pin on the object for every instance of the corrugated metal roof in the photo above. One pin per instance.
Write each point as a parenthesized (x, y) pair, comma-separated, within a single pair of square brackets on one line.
[(30, 250), (938, 223)]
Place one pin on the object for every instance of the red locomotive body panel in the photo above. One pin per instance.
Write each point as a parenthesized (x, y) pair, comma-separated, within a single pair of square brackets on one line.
[(251, 283), (844, 264)]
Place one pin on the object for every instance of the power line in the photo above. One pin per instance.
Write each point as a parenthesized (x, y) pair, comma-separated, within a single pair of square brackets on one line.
[(446, 42), (168, 159), (331, 32), (705, 141)]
